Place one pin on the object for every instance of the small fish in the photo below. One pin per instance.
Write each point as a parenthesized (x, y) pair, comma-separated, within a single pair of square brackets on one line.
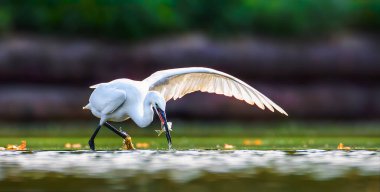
[(162, 130)]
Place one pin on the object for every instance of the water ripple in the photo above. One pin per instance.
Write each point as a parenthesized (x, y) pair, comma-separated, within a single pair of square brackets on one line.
[(183, 166)]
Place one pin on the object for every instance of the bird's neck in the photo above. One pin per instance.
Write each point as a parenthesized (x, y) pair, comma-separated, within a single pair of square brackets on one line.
[(146, 114)]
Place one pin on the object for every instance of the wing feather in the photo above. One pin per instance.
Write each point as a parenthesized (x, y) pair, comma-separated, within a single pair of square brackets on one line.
[(106, 99), (175, 83)]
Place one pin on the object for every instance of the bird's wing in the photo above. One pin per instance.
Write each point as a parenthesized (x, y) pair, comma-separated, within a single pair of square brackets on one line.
[(175, 83), (107, 99)]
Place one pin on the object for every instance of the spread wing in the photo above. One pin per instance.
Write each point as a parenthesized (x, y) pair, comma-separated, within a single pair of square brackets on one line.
[(175, 83)]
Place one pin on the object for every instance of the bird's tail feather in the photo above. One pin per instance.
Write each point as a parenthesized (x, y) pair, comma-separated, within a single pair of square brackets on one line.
[(88, 106)]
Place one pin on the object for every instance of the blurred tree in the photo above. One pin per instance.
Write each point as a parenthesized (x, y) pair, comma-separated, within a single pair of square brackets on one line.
[(136, 19)]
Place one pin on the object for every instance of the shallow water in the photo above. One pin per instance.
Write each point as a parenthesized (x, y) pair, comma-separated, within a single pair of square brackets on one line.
[(120, 170)]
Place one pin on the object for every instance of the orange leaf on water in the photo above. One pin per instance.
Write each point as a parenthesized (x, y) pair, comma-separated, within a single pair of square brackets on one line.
[(342, 147), (14, 147), (247, 142), (73, 146), (22, 146), (11, 147), (68, 145), (76, 145), (228, 146), (256, 142), (142, 145)]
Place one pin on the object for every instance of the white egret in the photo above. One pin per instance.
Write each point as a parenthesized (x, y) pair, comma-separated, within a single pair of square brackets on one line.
[(121, 99)]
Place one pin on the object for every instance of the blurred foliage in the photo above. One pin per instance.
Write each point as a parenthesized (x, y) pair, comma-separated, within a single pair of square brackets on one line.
[(136, 19)]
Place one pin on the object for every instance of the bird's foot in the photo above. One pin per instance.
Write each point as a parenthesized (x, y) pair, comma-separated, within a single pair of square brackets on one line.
[(91, 144), (127, 143), (170, 146)]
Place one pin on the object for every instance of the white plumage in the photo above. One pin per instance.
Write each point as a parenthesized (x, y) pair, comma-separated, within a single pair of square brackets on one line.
[(121, 99), (175, 83)]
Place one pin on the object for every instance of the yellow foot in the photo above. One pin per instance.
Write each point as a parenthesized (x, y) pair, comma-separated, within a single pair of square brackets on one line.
[(127, 144)]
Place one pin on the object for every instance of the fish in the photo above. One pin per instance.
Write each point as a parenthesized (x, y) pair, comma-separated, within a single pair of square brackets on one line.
[(162, 130)]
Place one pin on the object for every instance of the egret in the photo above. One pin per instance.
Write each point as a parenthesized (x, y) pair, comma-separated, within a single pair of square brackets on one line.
[(121, 99)]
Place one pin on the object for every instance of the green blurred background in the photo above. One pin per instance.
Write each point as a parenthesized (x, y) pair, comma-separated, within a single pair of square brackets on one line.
[(141, 19), (319, 60)]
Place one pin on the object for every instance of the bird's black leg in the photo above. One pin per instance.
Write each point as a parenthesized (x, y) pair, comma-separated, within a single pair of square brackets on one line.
[(91, 141), (127, 139), (122, 134)]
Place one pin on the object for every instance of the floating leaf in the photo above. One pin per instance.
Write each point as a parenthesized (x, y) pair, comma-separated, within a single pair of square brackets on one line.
[(19, 148), (228, 146), (73, 146), (11, 147), (342, 147), (68, 145), (76, 146), (22, 146), (256, 142), (142, 145)]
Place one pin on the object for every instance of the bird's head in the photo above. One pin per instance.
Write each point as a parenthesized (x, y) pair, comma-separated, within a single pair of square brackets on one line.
[(156, 100)]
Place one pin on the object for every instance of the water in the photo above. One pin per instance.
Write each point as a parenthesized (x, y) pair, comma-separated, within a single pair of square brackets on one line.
[(146, 170)]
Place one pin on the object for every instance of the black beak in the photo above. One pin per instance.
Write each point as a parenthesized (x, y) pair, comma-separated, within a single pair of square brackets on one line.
[(162, 115)]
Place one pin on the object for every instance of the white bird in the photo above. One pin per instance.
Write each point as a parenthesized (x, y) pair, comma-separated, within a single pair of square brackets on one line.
[(121, 99)]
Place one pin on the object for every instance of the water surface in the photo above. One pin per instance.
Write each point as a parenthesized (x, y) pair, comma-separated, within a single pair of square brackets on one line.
[(145, 170)]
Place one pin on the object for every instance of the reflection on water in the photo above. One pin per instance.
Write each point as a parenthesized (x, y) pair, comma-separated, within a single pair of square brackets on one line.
[(181, 167)]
